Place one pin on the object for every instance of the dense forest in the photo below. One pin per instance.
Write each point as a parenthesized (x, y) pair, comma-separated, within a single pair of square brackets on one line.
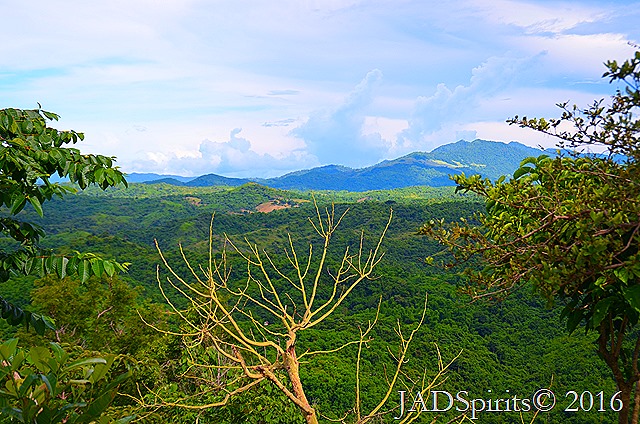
[(507, 300), (491, 350)]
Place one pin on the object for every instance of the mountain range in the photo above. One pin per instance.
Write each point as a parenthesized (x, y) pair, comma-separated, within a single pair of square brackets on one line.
[(490, 159)]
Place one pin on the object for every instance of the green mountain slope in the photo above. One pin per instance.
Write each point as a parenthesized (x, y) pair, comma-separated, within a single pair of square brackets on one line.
[(489, 158), (515, 347)]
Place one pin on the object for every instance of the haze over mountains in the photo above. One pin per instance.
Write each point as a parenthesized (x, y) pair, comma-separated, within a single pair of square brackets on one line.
[(488, 158)]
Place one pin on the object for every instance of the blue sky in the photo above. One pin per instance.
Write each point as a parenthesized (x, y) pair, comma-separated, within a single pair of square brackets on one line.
[(260, 88)]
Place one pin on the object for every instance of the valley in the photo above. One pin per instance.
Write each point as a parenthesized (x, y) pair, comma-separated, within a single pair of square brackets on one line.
[(518, 345)]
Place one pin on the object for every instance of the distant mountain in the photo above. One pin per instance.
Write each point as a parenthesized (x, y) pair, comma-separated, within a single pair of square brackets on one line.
[(402, 172), (136, 177), (329, 177), (214, 180), (490, 159), (171, 181), (201, 181)]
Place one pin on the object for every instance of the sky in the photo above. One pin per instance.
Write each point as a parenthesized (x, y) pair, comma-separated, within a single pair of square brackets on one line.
[(259, 88)]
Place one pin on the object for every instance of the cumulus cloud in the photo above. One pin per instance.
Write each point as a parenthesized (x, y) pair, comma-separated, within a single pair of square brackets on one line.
[(336, 135), (187, 69), (232, 158), (449, 107)]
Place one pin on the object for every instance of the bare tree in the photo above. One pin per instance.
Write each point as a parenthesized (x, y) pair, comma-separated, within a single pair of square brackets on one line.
[(253, 322)]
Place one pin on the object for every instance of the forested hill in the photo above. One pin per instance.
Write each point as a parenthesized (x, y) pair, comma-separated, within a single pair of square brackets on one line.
[(517, 346), (488, 158)]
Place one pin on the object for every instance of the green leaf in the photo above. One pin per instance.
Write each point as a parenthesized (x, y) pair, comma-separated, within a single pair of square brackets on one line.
[(600, 311), (600, 282), (83, 362), (98, 175), (62, 267), (48, 264), (58, 266), (109, 268), (30, 380), (531, 159), (18, 203), (522, 171), (97, 266), (46, 382), (632, 296), (573, 319), (100, 371), (100, 404), (59, 353), (39, 357), (8, 348), (84, 270), (51, 116), (16, 316), (36, 205), (622, 274), (71, 266), (39, 325)]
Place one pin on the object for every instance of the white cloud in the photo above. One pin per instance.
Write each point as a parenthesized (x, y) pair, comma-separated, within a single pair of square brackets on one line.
[(192, 70), (388, 128), (575, 56), (534, 17), (501, 131), (447, 107), (336, 135), (56, 35), (234, 157)]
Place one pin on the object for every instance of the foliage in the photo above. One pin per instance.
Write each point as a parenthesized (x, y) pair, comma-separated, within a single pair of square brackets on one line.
[(245, 330), (44, 385), (612, 126), (30, 154), (99, 315), (517, 344), (570, 227)]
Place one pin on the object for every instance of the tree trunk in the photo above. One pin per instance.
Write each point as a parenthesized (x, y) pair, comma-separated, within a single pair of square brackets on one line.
[(609, 346), (625, 397), (293, 369), (636, 404)]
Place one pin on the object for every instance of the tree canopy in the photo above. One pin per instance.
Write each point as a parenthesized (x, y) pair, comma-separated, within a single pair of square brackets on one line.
[(31, 153), (569, 226)]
